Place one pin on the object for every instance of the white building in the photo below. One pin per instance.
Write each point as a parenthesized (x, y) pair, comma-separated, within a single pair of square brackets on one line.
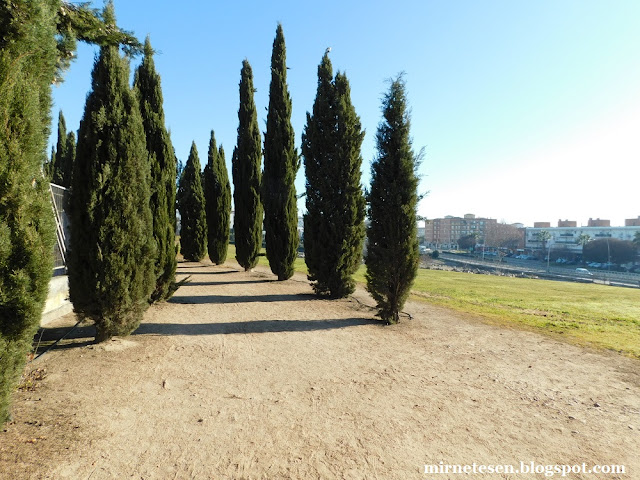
[(566, 238)]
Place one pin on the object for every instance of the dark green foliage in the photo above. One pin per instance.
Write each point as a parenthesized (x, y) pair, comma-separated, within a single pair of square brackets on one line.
[(37, 39), (281, 164), (57, 165), (69, 159), (468, 241), (27, 66), (76, 21), (48, 166), (392, 252), (61, 166), (247, 220), (112, 249), (334, 222), (217, 192), (191, 204), (163, 173), (612, 250)]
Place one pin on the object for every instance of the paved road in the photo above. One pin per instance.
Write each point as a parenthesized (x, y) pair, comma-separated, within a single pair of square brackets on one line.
[(540, 268)]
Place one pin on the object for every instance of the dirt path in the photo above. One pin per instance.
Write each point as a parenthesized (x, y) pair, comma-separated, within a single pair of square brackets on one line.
[(242, 377)]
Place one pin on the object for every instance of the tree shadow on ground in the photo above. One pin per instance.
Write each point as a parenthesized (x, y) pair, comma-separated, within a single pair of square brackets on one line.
[(202, 299), (253, 326), (83, 336), (222, 282), (69, 337), (187, 272)]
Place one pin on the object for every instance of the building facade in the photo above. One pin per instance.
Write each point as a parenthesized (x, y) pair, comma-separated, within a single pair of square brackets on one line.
[(567, 239), (444, 233), (598, 223)]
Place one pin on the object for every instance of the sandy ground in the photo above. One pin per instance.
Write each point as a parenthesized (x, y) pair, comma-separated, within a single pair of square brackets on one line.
[(243, 377)]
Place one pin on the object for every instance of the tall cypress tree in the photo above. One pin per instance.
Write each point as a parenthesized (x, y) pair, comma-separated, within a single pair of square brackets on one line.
[(217, 192), (163, 173), (281, 164), (392, 252), (69, 160), (112, 248), (27, 67), (247, 220), (334, 222), (191, 204), (61, 156)]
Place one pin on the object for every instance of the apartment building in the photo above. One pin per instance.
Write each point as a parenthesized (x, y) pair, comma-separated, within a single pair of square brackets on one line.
[(445, 232), (566, 238)]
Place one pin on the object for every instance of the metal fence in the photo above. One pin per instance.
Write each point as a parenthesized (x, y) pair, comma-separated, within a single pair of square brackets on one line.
[(60, 203)]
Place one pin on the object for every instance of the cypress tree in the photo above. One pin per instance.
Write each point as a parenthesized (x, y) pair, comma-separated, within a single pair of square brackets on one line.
[(392, 252), (334, 222), (281, 165), (48, 166), (163, 173), (61, 155), (217, 192), (69, 160), (247, 220), (191, 204), (27, 67), (112, 248)]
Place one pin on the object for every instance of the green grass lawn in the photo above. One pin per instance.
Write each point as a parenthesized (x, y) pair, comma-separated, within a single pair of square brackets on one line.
[(585, 314)]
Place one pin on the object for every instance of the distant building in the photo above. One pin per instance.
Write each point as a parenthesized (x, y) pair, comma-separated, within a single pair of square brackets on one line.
[(632, 222), (567, 223), (598, 223), (541, 224), (566, 238), (445, 232)]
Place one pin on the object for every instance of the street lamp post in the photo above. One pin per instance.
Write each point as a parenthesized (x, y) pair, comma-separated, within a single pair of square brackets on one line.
[(608, 261)]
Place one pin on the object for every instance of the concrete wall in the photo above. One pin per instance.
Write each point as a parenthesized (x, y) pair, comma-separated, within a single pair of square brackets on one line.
[(58, 303)]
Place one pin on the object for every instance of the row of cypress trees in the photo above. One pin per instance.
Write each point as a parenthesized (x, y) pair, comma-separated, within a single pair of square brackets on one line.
[(63, 155), (122, 253), (37, 40), (267, 197), (334, 226), (204, 202)]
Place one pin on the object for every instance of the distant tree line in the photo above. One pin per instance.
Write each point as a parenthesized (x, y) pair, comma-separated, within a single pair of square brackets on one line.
[(614, 250)]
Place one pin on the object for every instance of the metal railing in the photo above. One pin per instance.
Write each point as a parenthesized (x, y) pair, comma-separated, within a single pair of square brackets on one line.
[(60, 202)]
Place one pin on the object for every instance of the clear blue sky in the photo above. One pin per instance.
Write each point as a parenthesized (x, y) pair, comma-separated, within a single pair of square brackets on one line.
[(528, 111)]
